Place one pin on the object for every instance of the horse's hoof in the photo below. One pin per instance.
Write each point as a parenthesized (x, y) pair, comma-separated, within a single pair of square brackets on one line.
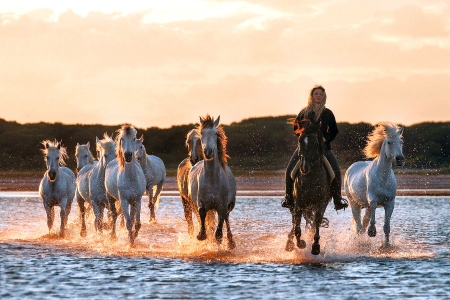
[(315, 249), (201, 236), (372, 232), (289, 246), (301, 244), (231, 244)]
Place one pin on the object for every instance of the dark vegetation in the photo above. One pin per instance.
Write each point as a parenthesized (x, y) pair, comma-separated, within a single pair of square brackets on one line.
[(254, 144)]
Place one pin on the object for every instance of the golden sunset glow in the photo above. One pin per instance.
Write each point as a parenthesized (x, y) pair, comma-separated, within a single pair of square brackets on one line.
[(163, 63)]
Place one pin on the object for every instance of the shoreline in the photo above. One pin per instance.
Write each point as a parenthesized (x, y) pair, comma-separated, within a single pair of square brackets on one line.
[(271, 185)]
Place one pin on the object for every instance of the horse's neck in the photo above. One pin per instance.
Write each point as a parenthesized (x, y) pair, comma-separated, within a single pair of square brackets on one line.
[(99, 168), (144, 162), (212, 167)]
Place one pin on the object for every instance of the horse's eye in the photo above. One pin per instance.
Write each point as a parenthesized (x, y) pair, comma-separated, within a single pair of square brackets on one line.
[(57, 157), (86, 155), (389, 143)]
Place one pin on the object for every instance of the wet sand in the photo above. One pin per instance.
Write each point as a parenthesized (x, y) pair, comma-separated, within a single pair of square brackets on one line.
[(407, 184)]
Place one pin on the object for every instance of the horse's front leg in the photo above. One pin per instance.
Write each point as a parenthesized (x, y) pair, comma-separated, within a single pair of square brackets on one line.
[(113, 210), (219, 233), (151, 205), (297, 229), (372, 231), (388, 209), (137, 218), (202, 234), (188, 214), (63, 213), (50, 210), (315, 249), (231, 243), (80, 202), (126, 215), (290, 244)]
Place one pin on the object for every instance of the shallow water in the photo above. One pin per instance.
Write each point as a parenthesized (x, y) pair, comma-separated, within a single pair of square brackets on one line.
[(167, 263)]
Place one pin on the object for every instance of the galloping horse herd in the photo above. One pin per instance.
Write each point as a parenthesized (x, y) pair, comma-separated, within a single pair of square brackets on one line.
[(124, 172)]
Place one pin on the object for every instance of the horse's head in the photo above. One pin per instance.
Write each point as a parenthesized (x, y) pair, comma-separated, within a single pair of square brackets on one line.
[(393, 148), (194, 145), (127, 144), (310, 145), (140, 152), (106, 149), (209, 135), (83, 156), (54, 156), (386, 140)]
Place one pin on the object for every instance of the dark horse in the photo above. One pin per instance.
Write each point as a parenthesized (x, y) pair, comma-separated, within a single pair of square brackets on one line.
[(311, 186)]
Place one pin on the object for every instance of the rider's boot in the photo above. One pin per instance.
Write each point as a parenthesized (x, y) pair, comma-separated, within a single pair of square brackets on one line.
[(340, 203), (288, 201)]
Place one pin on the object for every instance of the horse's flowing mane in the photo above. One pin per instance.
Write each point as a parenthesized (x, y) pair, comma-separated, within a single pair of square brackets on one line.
[(62, 150), (194, 133), (90, 156), (126, 129), (376, 137), (208, 122)]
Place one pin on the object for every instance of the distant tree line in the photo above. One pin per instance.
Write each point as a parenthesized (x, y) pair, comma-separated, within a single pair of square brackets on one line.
[(253, 144)]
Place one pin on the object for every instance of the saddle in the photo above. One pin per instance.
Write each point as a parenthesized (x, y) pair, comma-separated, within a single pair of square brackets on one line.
[(325, 163)]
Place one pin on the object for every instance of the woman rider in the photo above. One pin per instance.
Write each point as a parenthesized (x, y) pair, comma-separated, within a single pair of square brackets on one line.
[(316, 111)]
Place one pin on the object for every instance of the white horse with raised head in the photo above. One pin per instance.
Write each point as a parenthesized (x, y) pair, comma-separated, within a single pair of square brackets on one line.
[(371, 184), (57, 188), (195, 154), (155, 175), (125, 180), (211, 184), (91, 186)]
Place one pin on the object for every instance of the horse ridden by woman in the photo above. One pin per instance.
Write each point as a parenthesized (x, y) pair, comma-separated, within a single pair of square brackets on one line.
[(155, 175), (195, 154), (311, 185), (371, 184), (91, 186), (125, 180), (57, 187), (211, 184)]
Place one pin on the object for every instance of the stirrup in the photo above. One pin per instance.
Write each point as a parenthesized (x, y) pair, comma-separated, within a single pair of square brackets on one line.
[(342, 204)]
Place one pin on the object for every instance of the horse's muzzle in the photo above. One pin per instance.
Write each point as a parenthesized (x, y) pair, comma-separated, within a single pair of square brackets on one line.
[(128, 156), (400, 161), (208, 153), (51, 175)]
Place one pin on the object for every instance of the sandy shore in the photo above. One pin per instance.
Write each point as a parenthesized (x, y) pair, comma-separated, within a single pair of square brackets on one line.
[(407, 184)]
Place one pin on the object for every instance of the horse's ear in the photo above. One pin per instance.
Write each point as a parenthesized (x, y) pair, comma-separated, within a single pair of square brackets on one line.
[(59, 146), (216, 122), (201, 120), (88, 145), (46, 146), (97, 140), (400, 131), (78, 144), (141, 138)]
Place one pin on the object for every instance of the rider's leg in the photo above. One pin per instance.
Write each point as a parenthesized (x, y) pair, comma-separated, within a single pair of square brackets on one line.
[(288, 200), (339, 202)]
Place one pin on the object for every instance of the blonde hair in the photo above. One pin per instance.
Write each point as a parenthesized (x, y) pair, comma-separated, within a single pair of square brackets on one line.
[(310, 107)]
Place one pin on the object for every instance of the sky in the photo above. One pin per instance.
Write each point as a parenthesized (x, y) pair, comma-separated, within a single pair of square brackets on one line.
[(165, 63)]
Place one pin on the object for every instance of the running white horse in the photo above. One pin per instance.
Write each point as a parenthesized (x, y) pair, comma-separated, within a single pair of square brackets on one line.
[(195, 152), (211, 184), (155, 175), (125, 180), (91, 186), (370, 184), (57, 188)]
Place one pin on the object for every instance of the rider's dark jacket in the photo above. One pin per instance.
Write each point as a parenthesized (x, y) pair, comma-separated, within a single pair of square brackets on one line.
[(328, 124)]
